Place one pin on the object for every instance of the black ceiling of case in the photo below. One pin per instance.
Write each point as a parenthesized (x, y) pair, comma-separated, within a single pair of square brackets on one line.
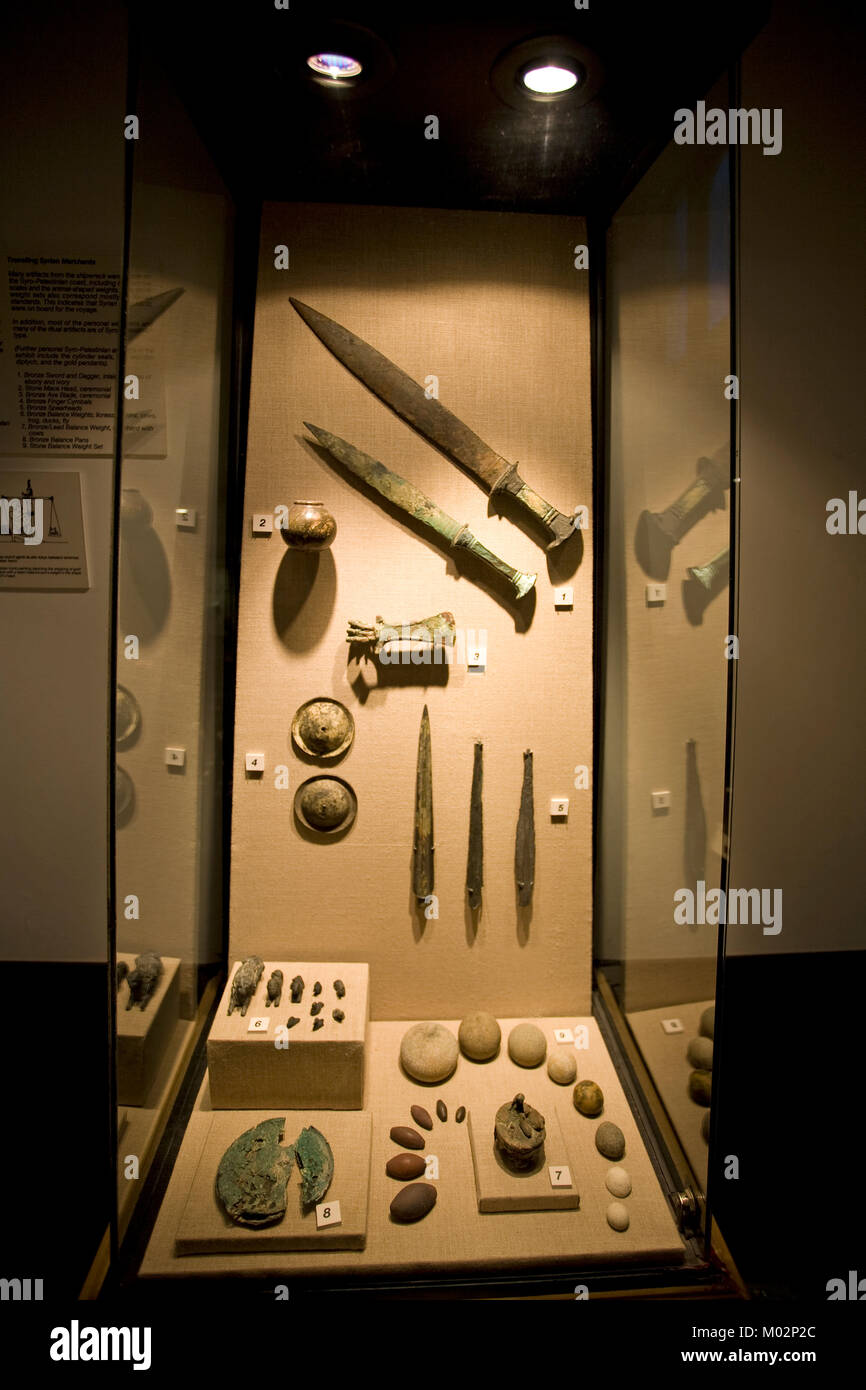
[(276, 133)]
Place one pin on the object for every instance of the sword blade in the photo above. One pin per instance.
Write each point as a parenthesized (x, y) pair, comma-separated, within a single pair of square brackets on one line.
[(405, 397)]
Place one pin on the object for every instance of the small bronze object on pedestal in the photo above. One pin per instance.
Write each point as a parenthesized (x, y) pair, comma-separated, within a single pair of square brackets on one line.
[(121, 970), (337, 1015), (524, 849), (245, 983), (316, 1008), (475, 859), (317, 989), (422, 868), (339, 989), (519, 1133), (143, 979), (274, 988), (297, 988), (318, 1023)]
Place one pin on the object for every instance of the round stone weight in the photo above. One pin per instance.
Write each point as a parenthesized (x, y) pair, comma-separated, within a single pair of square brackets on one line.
[(428, 1052)]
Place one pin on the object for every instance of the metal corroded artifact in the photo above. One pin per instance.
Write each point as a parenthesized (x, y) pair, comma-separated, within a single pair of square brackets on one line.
[(519, 1133), (254, 1173), (245, 983), (659, 532), (524, 848), (475, 857), (434, 421), (127, 716), (325, 804), (323, 728), (422, 862), (274, 988), (143, 979), (297, 988), (703, 583), (316, 1163), (437, 633), (339, 989), (121, 970), (409, 498)]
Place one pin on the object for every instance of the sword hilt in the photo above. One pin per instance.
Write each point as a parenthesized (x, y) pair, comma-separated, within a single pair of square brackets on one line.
[(558, 526), (464, 540)]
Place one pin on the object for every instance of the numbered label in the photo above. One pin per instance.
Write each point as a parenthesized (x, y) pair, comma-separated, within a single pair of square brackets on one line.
[(258, 1025), (185, 518), (262, 524), (328, 1214), (563, 1035), (476, 658), (175, 757), (254, 762), (431, 1167), (560, 1176), (563, 598), (672, 1025)]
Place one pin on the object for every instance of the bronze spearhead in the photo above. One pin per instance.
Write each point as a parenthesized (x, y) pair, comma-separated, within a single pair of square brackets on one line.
[(422, 867), (475, 861), (524, 849)]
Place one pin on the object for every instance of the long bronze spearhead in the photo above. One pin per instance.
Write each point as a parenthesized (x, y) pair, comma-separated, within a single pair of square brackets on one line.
[(418, 505), (434, 421), (422, 867), (475, 860), (524, 848)]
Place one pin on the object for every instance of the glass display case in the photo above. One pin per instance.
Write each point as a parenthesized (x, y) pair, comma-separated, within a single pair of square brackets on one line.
[(387, 435)]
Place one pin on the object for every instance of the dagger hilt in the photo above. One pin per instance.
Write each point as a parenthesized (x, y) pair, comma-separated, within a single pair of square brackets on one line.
[(558, 526), (464, 540), (709, 574)]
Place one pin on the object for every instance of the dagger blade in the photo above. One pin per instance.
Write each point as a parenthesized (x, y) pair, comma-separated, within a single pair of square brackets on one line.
[(396, 389), (417, 504), (475, 858)]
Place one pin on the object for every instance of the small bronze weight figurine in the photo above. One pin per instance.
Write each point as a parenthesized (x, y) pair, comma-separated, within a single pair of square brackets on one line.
[(245, 983), (274, 988), (143, 979)]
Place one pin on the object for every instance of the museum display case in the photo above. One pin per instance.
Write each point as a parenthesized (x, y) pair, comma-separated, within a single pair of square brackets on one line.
[(459, 1036)]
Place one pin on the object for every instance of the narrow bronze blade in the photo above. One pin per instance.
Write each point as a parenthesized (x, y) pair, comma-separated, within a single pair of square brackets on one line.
[(475, 861), (422, 868), (524, 849)]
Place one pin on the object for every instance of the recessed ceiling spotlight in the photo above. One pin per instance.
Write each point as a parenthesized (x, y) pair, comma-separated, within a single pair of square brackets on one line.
[(550, 69), (549, 78), (338, 66)]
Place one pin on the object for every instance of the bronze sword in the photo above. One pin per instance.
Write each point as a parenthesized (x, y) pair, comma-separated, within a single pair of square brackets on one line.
[(434, 421), (417, 504)]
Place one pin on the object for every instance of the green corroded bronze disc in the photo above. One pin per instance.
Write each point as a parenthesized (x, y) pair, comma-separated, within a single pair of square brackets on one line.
[(127, 716), (325, 804), (254, 1173), (323, 728)]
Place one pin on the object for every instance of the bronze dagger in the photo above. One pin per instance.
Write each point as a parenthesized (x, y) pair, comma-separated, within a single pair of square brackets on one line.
[(524, 846), (433, 420), (475, 858), (417, 504), (422, 863)]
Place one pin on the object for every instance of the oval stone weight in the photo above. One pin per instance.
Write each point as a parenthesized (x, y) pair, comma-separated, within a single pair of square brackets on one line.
[(479, 1036), (421, 1116), (562, 1066), (701, 1086), (588, 1098), (527, 1045), (429, 1052), (707, 1026), (700, 1053), (407, 1138), (405, 1166), (413, 1202), (617, 1216), (610, 1140), (442, 1110), (618, 1182)]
